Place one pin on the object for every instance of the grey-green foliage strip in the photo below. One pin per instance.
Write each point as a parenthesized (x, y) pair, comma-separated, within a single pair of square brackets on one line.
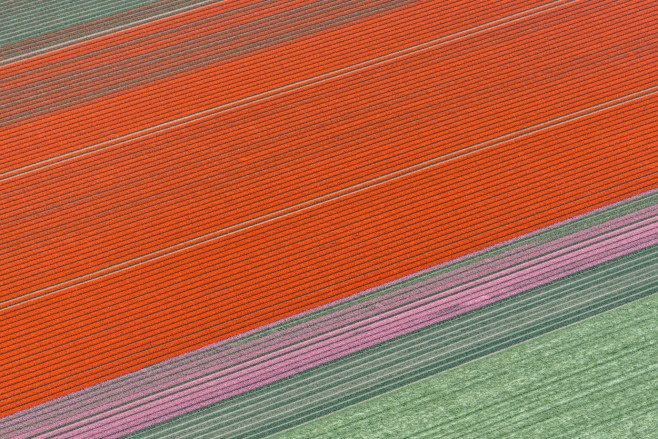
[(595, 379), (541, 238), (407, 359), (24, 20)]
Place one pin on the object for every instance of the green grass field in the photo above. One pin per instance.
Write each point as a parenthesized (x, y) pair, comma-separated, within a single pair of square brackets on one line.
[(25, 19), (596, 378)]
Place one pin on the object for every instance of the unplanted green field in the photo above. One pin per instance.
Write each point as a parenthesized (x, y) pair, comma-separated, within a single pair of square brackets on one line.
[(597, 378)]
